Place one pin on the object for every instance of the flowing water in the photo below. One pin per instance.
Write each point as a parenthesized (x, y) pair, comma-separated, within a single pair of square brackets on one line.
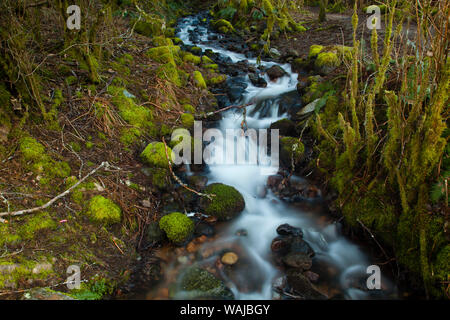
[(262, 215)]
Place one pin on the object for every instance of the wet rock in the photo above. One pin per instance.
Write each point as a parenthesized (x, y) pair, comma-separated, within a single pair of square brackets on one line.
[(275, 72), (45, 294), (229, 258), (236, 88), (290, 103), (299, 245), (287, 127), (261, 192), (308, 110), (288, 230), (257, 81), (281, 245), (274, 53), (274, 181), (204, 229), (241, 233), (302, 286), (311, 276), (195, 283), (298, 261)]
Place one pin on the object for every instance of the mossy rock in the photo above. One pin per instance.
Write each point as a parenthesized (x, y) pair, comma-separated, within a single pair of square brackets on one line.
[(155, 155), (287, 127), (225, 205), (196, 283), (177, 226), (199, 80), (190, 58), (327, 62), (187, 120), (103, 211), (207, 60), (314, 50), (291, 149), (165, 54), (149, 29), (196, 50), (214, 81)]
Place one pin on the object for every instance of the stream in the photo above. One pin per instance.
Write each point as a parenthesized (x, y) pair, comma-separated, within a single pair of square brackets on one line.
[(339, 262)]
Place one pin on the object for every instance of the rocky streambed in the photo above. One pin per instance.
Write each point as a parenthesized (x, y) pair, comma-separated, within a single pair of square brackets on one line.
[(265, 235)]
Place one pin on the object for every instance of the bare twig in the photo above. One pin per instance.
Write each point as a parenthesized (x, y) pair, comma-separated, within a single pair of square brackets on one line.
[(209, 196)]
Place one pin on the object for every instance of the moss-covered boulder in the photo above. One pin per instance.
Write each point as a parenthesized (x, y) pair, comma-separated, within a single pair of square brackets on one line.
[(165, 54), (177, 226), (314, 50), (149, 28), (190, 58), (155, 155), (226, 203), (103, 211), (287, 127), (291, 151), (327, 62), (196, 283), (199, 80)]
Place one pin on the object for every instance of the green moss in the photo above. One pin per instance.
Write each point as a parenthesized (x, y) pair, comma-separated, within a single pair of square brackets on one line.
[(35, 223), (103, 211), (441, 266), (165, 54), (212, 67), (149, 29), (89, 145), (162, 41), (34, 155), (95, 289), (291, 149), (187, 120), (314, 51), (135, 115), (130, 135), (70, 80), (207, 60), (190, 58), (199, 80), (226, 203), (327, 60), (177, 226), (161, 178), (189, 108), (21, 270), (216, 80), (8, 235), (120, 68), (223, 26), (169, 72), (196, 50), (196, 283), (155, 155), (75, 146)]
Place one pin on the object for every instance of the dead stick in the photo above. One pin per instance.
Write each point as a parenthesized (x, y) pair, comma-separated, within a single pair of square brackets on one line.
[(209, 196), (52, 201), (228, 108)]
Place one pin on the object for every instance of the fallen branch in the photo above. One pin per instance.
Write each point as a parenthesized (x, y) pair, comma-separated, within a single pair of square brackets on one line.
[(52, 201), (209, 196), (227, 108)]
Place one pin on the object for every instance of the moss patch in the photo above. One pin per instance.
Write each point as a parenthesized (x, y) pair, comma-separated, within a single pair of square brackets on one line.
[(199, 80), (103, 211), (177, 226), (155, 155)]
